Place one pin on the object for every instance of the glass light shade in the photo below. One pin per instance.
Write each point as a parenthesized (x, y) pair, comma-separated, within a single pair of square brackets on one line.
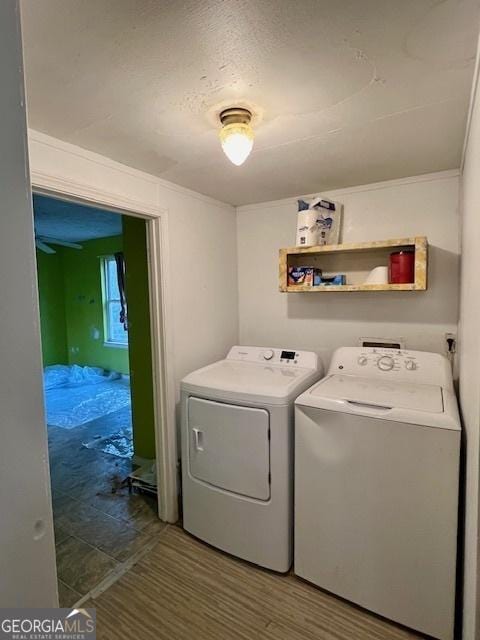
[(237, 142)]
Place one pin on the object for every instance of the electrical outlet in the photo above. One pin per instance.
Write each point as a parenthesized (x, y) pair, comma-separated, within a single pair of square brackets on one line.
[(450, 343)]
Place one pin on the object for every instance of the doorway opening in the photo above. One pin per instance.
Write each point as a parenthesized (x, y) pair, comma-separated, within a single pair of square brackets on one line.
[(93, 285)]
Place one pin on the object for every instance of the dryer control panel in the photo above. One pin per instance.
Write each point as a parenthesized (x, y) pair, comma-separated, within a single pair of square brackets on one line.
[(272, 355), (419, 367)]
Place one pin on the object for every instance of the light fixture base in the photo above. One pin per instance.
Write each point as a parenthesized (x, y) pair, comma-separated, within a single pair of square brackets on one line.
[(235, 115)]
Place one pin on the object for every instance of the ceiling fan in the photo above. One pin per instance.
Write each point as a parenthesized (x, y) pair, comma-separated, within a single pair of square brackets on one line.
[(43, 244)]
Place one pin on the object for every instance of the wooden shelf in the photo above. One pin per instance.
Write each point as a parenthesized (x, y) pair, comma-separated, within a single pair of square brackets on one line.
[(355, 259)]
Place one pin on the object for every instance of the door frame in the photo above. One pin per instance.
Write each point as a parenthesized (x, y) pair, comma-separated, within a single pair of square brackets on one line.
[(160, 319)]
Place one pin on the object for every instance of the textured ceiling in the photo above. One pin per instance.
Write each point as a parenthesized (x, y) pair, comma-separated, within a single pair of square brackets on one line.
[(73, 222), (344, 91)]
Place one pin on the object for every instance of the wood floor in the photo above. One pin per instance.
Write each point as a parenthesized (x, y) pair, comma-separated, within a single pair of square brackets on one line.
[(184, 590)]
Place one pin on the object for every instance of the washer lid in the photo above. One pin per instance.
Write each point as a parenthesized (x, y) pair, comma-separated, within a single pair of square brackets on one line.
[(273, 384), (381, 393), (422, 404)]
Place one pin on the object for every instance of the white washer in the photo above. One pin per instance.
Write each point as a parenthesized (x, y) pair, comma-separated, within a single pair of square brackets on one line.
[(377, 445), (237, 451)]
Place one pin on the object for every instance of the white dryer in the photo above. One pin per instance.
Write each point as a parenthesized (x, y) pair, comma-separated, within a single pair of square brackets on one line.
[(237, 451), (377, 446)]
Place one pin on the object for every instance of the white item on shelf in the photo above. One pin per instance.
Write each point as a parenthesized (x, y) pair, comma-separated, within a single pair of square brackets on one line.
[(377, 449), (378, 275), (237, 451), (319, 224), (307, 228)]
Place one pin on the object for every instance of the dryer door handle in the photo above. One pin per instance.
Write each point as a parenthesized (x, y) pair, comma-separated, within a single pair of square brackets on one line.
[(198, 439)]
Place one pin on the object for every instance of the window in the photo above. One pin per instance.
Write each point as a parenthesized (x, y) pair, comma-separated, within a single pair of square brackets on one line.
[(114, 330)]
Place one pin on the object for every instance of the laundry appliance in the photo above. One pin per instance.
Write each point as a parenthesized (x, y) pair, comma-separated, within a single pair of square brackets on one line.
[(237, 451), (377, 445)]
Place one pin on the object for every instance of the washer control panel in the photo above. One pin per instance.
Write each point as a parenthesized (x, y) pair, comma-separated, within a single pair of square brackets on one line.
[(387, 359), (271, 355), (399, 364)]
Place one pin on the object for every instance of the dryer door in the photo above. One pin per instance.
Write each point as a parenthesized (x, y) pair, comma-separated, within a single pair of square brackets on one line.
[(229, 447)]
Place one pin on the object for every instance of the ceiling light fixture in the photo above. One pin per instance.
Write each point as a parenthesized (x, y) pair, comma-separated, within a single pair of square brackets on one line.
[(236, 134)]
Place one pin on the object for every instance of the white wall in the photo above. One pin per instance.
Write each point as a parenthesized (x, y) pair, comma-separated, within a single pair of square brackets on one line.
[(469, 363), (27, 560), (425, 205), (203, 270)]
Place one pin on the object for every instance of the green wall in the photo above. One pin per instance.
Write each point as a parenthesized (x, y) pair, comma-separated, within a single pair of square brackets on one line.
[(140, 348), (52, 308), (84, 309), (71, 312)]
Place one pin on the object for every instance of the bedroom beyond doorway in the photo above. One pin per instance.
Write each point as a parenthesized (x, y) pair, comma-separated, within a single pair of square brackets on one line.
[(96, 346)]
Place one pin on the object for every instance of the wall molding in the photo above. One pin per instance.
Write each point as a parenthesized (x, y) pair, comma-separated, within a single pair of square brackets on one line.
[(96, 158), (471, 106), (336, 193), (54, 185)]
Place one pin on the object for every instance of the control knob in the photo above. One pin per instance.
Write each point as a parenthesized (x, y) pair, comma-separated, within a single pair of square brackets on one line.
[(385, 363), (362, 360), (410, 365), (268, 354)]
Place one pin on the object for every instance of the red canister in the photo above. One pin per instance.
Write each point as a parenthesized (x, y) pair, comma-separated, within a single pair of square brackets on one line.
[(402, 267)]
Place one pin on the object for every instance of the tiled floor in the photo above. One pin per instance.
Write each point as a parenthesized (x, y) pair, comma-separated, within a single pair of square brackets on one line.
[(98, 524)]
